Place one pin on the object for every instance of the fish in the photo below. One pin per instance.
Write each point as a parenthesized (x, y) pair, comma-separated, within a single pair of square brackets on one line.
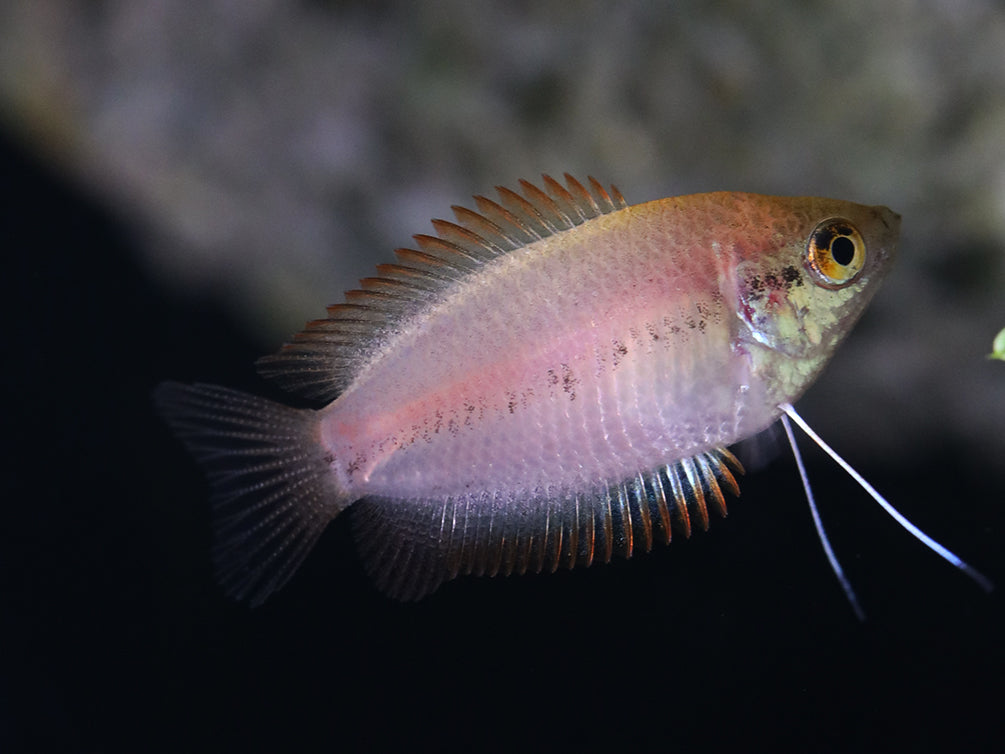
[(550, 380)]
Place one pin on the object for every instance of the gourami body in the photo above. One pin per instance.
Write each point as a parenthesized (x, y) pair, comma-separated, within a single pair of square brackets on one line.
[(549, 381)]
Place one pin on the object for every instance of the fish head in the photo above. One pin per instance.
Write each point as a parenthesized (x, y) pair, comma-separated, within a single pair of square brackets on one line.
[(802, 285)]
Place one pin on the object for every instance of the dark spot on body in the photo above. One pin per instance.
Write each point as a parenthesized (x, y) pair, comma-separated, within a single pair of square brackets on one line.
[(569, 382), (708, 312), (355, 465), (791, 276), (772, 283), (619, 350)]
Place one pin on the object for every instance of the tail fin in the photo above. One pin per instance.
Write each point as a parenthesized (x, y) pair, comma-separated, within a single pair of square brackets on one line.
[(272, 492)]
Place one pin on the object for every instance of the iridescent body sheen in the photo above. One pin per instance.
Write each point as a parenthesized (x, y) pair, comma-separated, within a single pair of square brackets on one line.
[(548, 382)]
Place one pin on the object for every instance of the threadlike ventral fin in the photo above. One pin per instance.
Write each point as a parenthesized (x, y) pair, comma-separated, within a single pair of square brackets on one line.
[(325, 357), (410, 547)]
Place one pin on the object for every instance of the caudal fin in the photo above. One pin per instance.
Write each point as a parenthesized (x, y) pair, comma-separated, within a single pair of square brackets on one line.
[(272, 492)]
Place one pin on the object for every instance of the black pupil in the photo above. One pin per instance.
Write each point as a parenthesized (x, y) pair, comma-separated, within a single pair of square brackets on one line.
[(843, 250)]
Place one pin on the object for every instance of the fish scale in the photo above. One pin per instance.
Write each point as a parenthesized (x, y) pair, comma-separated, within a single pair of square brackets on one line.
[(549, 381), (566, 345)]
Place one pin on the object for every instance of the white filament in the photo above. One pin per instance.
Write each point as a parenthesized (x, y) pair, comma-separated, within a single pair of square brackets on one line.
[(944, 553), (828, 551)]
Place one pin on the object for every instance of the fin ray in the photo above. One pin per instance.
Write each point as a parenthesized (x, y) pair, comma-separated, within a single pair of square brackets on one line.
[(267, 514), (410, 547), (325, 357)]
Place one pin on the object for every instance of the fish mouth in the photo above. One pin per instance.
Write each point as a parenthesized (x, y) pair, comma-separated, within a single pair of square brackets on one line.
[(888, 237), (890, 219)]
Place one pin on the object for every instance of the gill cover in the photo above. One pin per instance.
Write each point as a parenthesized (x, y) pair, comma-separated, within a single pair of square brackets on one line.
[(791, 299)]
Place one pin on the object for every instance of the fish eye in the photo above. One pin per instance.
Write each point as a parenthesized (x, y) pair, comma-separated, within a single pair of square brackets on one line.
[(835, 253)]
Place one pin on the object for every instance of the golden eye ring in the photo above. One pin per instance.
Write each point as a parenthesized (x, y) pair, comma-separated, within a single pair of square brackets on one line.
[(835, 253)]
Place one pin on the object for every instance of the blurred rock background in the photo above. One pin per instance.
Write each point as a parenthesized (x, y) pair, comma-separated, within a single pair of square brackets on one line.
[(182, 185), (268, 153)]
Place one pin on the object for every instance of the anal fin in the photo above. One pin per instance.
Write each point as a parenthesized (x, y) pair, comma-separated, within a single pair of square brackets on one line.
[(410, 547)]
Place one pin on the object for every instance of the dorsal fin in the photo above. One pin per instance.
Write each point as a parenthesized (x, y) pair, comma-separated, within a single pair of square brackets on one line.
[(325, 357), (410, 547)]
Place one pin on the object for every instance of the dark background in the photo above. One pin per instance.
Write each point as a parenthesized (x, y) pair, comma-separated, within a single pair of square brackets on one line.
[(183, 185), (116, 639)]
